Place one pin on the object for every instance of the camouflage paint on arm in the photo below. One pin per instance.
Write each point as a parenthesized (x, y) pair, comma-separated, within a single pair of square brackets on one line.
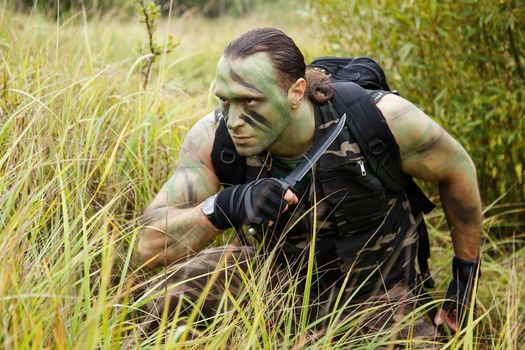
[(174, 225), (429, 153), (193, 179)]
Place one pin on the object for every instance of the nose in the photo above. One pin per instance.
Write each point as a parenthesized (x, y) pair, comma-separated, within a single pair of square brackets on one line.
[(233, 120)]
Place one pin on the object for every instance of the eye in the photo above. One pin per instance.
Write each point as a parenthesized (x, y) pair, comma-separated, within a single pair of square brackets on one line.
[(224, 106), (250, 102), (222, 100)]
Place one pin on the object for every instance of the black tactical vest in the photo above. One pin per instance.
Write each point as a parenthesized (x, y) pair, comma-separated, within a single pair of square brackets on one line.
[(359, 225)]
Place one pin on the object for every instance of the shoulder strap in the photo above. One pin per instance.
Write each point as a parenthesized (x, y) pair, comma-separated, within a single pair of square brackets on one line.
[(369, 127), (377, 95), (228, 164)]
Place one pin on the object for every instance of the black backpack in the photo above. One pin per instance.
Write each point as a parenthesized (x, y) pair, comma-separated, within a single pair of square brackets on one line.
[(356, 82), (363, 71)]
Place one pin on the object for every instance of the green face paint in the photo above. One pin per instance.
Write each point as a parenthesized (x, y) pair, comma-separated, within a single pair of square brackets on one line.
[(256, 109)]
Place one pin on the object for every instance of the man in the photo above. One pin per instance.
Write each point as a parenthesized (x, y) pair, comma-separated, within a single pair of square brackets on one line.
[(274, 109)]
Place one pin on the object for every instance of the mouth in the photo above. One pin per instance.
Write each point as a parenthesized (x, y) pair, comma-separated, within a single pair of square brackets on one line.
[(241, 140)]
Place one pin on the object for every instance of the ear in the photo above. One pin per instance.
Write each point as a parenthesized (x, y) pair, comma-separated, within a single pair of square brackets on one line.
[(296, 92)]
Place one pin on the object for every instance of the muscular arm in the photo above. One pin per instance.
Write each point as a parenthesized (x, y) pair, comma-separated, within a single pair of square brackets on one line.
[(174, 225), (429, 153)]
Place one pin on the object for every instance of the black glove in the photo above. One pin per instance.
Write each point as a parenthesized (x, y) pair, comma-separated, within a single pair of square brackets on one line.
[(257, 202), (459, 291)]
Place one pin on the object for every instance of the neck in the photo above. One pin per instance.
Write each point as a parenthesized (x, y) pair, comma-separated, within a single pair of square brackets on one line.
[(298, 137)]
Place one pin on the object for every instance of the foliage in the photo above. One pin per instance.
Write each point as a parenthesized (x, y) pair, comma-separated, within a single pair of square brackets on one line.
[(210, 8), (149, 13), (462, 61), (54, 7), (82, 151)]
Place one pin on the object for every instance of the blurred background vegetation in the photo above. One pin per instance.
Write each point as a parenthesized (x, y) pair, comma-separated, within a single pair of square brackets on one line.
[(84, 146), (208, 8), (463, 62)]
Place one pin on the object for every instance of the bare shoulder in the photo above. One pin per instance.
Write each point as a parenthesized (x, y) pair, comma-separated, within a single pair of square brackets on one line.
[(414, 131), (393, 104), (427, 151), (399, 111), (194, 178), (198, 143)]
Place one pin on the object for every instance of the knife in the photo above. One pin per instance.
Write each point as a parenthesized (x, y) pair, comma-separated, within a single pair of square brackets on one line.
[(313, 155), (309, 160)]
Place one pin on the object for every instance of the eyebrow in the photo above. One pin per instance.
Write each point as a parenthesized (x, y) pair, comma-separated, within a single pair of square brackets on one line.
[(238, 79), (238, 97)]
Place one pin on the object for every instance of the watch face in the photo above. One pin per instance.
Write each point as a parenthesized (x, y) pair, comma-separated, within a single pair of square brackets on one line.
[(208, 205)]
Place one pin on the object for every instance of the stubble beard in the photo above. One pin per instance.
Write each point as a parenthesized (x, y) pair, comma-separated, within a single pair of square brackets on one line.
[(249, 151)]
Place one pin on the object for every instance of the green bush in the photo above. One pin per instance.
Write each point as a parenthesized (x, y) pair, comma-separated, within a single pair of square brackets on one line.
[(461, 61)]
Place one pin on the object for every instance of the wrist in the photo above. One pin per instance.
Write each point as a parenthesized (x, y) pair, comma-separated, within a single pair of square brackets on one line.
[(208, 208), (464, 270)]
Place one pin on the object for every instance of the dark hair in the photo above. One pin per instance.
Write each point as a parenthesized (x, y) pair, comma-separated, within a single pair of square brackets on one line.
[(287, 60)]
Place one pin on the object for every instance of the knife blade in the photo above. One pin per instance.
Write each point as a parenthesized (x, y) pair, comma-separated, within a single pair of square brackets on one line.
[(309, 160), (313, 155)]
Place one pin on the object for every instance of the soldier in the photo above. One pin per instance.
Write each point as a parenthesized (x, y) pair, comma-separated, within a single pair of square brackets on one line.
[(273, 109)]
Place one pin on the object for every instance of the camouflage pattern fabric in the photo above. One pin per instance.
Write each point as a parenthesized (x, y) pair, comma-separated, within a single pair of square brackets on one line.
[(392, 311), (209, 274), (207, 280)]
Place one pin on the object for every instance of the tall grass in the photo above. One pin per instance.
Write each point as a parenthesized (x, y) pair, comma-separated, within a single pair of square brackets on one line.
[(83, 149)]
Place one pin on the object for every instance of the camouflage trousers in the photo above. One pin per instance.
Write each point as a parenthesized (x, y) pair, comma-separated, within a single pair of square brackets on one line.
[(207, 282)]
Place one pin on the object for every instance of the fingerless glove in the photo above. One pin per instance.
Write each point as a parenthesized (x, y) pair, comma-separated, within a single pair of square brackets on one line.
[(459, 291), (257, 202)]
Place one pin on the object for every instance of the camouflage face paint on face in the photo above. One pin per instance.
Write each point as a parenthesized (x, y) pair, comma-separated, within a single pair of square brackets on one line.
[(238, 79), (258, 118), (256, 109)]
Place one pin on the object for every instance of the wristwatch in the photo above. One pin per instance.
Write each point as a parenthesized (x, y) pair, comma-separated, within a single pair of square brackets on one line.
[(208, 209)]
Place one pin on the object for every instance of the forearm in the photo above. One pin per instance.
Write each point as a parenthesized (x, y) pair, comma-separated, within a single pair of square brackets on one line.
[(170, 234), (462, 205)]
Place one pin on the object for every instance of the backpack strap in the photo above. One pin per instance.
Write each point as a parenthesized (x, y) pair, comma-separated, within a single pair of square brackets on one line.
[(378, 145), (377, 95), (228, 164), (369, 127)]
